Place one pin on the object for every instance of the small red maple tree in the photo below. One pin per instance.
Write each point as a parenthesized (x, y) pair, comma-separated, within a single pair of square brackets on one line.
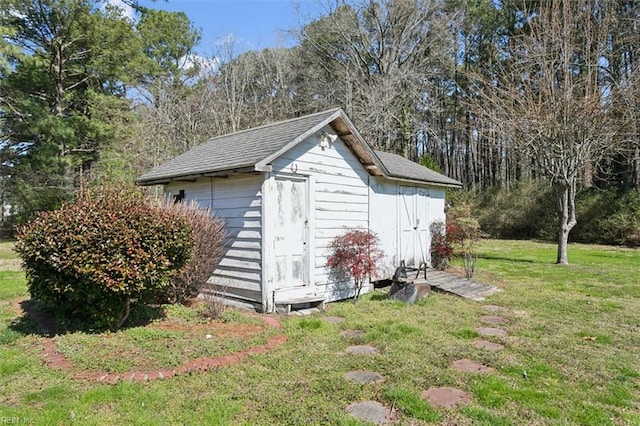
[(355, 255)]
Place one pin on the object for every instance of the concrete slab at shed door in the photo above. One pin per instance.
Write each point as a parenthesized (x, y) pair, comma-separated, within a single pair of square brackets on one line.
[(291, 233)]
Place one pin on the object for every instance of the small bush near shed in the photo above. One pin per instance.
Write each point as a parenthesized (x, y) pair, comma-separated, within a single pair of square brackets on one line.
[(92, 259), (355, 255), (208, 238)]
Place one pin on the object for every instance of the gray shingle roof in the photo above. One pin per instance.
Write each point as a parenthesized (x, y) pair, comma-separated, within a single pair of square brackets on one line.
[(235, 150), (400, 167), (247, 148)]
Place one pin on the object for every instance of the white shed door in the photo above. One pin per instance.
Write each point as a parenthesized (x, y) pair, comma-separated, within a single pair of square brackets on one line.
[(414, 225), (290, 233)]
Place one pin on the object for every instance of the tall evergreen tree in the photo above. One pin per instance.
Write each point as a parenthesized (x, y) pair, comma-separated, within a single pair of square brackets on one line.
[(61, 94)]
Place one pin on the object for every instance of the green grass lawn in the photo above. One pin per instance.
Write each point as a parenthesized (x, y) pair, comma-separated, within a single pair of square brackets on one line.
[(572, 356)]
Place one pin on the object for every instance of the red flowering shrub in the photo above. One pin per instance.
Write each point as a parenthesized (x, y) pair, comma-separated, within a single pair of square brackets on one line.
[(440, 248), (208, 238), (355, 255)]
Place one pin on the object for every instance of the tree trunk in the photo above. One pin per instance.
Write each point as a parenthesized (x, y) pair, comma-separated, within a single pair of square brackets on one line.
[(636, 168), (565, 197), (125, 314)]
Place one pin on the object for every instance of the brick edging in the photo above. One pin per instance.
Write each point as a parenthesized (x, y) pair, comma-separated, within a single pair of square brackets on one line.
[(54, 359)]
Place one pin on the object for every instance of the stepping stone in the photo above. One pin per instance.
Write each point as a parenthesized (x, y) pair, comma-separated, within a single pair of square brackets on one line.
[(469, 366), (364, 377), (361, 350), (489, 331), (332, 320), (372, 412), (493, 308), (490, 346), (352, 334), (493, 319), (446, 397)]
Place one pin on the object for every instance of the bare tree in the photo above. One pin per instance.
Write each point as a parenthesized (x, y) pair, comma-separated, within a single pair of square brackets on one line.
[(379, 59), (551, 97)]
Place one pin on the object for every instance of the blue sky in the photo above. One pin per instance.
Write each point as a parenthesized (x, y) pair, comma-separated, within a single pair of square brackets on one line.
[(253, 24)]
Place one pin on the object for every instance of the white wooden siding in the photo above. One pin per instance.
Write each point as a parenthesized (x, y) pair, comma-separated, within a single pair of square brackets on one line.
[(388, 212), (238, 201), (341, 196), (383, 218), (341, 203)]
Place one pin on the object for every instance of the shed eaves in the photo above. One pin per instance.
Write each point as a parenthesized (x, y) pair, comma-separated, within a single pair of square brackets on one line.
[(236, 150), (400, 167)]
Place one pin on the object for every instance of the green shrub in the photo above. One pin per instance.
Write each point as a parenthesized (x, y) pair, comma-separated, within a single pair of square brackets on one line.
[(608, 217), (92, 259), (528, 210), (208, 238)]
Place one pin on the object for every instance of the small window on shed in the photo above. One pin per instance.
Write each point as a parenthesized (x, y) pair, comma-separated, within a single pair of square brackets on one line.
[(179, 197)]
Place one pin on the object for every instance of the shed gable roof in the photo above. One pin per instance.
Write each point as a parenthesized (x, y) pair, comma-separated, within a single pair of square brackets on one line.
[(238, 150), (253, 149)]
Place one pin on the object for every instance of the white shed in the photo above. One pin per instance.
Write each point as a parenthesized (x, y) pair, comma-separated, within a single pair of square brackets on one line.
[(287, 189)]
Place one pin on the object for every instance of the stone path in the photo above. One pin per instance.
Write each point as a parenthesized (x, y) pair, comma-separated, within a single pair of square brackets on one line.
[(460, 286), (361, 350), (490, 346), (367, 411), (364, 377), (372, 412), (493, 308), (445, 397), (450, 397), (470, 366), (493, 319), (491, 331), (352, 334)]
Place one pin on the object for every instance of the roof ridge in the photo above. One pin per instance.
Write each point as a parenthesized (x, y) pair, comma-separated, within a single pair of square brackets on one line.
[(277, 123)]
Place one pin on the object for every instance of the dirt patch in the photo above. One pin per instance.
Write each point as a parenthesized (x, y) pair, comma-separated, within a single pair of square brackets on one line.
[(213, 329)]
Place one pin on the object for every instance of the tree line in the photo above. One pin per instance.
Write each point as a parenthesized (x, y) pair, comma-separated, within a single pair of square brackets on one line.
[(490, 93)]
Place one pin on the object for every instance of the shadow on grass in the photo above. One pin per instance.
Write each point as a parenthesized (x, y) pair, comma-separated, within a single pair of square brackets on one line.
[(509, 259), (377, 297), (42, 321)]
